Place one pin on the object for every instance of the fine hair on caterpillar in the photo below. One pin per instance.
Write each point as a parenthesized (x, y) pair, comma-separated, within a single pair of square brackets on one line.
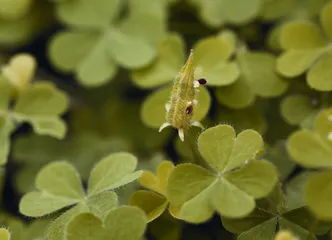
[(182, 103)]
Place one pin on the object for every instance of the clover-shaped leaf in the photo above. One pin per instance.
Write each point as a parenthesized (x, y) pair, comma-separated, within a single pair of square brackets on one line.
[(169, 60), (233, 185), (112, 172), (307, 50), (312, 149), (18, 31), (59, 184), (22, 231), (299, 109), (216, 13), (40, 105), (106, 42), (20, 70), (154, 203), (257, 79), (212, 62), (271, 212), (123, 223), (99, 205), (153, 108)]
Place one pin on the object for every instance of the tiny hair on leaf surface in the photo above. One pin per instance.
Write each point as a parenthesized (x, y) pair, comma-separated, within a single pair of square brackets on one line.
[(231, 188), (58, 186)]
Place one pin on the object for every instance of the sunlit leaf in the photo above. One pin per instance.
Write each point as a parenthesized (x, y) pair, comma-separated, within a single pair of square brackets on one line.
[(112, 172), (223, 151), (41, 104), (153, 204), (211, 57), (82, 13), (124, 223), (319, 76), (169, 60), (318, 194), (4, 234), (301, 35), (326, 19)]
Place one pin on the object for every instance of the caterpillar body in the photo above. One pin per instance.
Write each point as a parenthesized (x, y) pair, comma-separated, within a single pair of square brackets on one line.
[(181, 106)]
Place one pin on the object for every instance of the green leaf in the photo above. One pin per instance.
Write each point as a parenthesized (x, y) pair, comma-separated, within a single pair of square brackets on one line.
[(13, 10), (278, 155), (319, 76), (101, 204), (129, 51), (59, 186), (307, 220), (193, 178), (301, 35), (296, 229), (41, 104), (237, 95), (18, 32), (257, 178), (169, 60), (258, 68), (295, 191), (293, 63), (153, 18), (231, 201), (153, 111), (81, 13), (218, 12), (6, 128), (264, 231), (37, 204), (326, 19), (248, 118), (60, 179), (318, 194), (4, 234), (5, 95), (124, 223), (256, 218), (112, 172), (313, 148), (211, 57), (57, 229), (153, 204), (98, 67), (296, 108), (64, 52), (223, 151)]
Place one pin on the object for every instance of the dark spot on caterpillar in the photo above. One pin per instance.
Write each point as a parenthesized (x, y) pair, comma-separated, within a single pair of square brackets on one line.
[(189, 109), (202, 81)]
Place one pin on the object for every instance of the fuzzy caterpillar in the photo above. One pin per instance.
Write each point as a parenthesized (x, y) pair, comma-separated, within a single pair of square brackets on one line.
[(180, 108)]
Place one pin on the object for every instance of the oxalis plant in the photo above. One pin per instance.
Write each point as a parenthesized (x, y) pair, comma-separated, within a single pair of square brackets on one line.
[(165, 119), (233, 184)]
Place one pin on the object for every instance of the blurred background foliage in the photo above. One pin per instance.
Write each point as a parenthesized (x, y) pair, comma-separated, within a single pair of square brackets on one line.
[(81, 79)]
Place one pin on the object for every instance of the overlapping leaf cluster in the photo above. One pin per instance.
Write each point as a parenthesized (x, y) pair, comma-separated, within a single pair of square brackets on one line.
[(94, 214), (40, 104)]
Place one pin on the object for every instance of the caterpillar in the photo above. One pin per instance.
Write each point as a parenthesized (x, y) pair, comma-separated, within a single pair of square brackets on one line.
[(182, 102)]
